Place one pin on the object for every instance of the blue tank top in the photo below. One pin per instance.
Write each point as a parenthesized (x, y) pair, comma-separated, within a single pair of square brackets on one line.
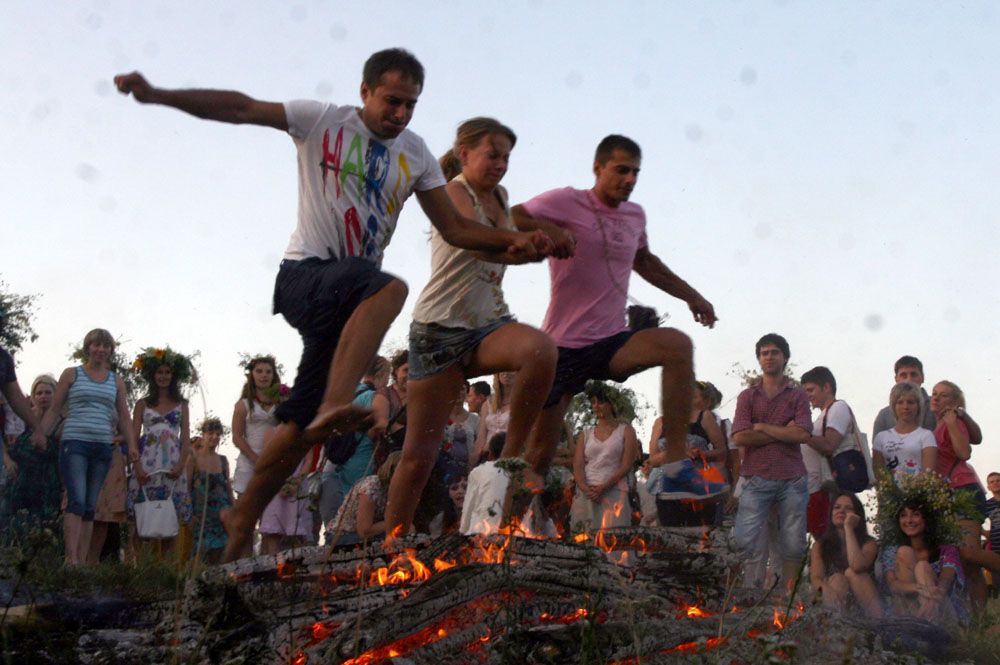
[(91, 408)]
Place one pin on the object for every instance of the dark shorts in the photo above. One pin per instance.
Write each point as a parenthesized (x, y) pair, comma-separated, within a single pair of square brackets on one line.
[(317, 297), (435, 348), (577, 366)]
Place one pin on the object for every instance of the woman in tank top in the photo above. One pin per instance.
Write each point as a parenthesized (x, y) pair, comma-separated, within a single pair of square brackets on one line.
[(253, 416), (604, 455), (461, 324), (95, 398)]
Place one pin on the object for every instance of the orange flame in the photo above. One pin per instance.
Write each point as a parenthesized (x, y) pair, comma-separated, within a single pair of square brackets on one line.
[(403, 569), (320, 631), (440, 565), (778, 621), (581, 538), (693, 646), (693, 611), (300, 659)]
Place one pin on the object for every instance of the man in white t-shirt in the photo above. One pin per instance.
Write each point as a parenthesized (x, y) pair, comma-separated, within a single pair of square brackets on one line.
[(829, 433), (357, 166)]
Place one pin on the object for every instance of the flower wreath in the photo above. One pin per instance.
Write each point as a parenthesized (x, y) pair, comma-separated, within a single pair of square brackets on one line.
[(151, 358), (936, 498), (277, 392)]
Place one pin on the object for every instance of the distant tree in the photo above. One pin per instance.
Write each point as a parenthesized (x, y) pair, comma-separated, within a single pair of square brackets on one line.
[(16, 313), (629, 406), (751, 377)]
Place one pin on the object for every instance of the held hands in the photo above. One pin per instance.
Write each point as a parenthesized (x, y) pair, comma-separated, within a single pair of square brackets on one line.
[(528, 247), (563, 242), (703, 311)]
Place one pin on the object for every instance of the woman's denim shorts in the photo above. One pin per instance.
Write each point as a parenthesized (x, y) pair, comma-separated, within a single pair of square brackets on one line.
[(435, 348)]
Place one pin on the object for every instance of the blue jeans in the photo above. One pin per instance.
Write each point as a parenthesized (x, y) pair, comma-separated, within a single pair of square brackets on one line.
[(84, 466), (759, 495)]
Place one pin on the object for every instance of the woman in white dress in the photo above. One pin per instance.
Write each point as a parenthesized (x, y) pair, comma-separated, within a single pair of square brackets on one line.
[(604, 456)]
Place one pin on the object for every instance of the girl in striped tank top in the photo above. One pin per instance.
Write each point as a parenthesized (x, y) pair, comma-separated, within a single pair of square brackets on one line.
[(95, 398)]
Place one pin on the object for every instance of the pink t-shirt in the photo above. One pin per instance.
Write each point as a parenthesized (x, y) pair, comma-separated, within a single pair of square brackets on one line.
[(947, 461), (588, 292)]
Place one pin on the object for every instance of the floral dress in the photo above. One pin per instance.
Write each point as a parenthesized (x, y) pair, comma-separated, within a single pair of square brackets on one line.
[(160, 450), (209, 497)]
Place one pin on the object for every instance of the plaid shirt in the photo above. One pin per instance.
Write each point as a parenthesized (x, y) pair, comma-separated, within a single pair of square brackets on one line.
[(773, 461)]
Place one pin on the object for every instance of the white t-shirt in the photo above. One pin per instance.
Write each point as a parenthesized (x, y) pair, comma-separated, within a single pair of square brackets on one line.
[(838, 417), (352, 184), (903, 452)]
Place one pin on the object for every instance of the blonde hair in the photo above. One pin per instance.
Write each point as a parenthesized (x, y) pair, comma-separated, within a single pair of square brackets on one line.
[(901, 390), (389, 467), (957, 393), (496, 397), (47, 379), (469, 134)]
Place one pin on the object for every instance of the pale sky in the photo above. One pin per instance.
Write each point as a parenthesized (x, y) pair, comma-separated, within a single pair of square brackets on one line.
[(823, 170)]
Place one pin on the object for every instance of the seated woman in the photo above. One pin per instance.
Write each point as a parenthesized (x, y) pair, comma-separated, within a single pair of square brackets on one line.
[(927, 581), (362, 514), (842, 561)]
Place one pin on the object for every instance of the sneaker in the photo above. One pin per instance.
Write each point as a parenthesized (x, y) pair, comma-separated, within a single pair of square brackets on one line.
[(681, 480)]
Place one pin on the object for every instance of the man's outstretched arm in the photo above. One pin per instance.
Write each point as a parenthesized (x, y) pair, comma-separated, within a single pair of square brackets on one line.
[(654, 271), (221, 105)]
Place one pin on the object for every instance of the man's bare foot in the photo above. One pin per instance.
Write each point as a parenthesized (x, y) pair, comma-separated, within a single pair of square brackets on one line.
[(237, 536), (342, 418)]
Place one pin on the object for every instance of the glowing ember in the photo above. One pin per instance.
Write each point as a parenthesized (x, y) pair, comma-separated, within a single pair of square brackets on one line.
[(300, 659), (778, 621), (581, 538), (693, 611), (564, 619), (320, 631), (694, 646)]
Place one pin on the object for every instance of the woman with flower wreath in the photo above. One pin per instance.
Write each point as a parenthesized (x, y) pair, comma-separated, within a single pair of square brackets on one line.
[(920, 517), (94, 395), (842, 560), (160, 422)]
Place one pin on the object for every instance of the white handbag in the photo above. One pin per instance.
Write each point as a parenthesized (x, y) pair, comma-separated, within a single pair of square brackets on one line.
[(156, 519)]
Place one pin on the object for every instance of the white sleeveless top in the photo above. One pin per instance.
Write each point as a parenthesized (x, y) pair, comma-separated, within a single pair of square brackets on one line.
[(463, 291), (602, 458), (259, 420)]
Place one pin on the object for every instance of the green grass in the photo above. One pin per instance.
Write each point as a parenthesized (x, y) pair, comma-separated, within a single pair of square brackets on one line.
[(980, 641)]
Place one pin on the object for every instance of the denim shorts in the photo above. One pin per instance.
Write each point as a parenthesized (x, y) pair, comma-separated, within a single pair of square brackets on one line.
[(317, 297), (434, 348), (83, 466)]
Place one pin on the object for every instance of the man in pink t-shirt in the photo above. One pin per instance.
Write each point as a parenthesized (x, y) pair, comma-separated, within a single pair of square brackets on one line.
[(586, 314)]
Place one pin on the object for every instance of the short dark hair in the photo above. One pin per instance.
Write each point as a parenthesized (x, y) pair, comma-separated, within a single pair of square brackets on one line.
[(482, 388), (820, 376), (613, 142), (907, 361), (993, 473), (392, 60), (775, 339), (495, 445)]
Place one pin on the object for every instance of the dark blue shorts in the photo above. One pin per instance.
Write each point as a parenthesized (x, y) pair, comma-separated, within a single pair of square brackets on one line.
[(577, 366), (317, 297)]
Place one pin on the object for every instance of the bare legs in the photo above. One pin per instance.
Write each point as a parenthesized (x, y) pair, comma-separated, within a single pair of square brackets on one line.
[(838, 586), (514, 346), (358, 344), (671, 350)]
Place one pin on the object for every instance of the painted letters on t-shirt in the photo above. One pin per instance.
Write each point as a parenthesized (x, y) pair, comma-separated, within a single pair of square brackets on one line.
[(370, 167)]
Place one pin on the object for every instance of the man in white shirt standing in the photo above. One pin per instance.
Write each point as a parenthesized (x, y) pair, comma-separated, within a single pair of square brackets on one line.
[(356, 167), (829, 432)]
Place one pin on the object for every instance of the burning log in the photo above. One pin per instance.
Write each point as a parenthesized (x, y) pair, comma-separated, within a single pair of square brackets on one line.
[(624, 596)]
